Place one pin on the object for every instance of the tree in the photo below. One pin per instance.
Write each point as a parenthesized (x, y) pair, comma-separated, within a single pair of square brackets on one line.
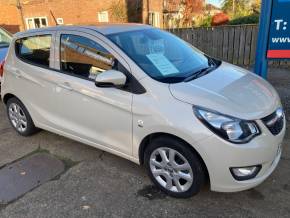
[(256, 5), (240, 8), (191, 7), (119, 10), (236, 8), (205, 21)]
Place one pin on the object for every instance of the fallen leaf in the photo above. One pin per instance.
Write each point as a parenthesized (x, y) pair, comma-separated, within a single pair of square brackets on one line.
[(86, 207)]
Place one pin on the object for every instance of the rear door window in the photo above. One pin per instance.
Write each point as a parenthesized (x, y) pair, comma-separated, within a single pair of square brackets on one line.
[(34, 49)]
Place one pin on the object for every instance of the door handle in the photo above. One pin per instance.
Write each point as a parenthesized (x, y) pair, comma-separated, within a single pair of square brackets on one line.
[(66, 86)]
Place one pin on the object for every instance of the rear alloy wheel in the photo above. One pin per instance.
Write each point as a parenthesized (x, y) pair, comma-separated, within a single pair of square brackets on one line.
[(174, 168), (19, 117)]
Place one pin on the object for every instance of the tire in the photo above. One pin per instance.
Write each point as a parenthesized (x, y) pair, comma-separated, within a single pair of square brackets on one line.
[(20, 118), (181, 178)]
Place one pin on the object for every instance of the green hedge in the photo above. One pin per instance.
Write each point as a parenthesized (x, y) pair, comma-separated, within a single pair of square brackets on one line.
[(251, 19)]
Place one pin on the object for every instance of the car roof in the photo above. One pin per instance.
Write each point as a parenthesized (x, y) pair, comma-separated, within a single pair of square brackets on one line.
[(105, 29)]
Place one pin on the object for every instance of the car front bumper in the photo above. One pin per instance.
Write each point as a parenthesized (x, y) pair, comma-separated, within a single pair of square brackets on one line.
[(220, 155)]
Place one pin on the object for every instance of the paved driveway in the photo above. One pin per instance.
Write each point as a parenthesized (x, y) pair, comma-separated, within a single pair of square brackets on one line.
[(98, 184)]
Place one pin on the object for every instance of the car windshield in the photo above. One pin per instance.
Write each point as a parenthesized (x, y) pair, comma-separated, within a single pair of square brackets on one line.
[(163, 56), (5, 38)]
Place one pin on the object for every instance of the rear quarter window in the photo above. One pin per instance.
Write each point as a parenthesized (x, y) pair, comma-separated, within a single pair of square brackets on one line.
[(34, 49)]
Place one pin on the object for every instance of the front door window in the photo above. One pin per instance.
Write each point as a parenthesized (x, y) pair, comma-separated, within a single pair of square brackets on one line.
[(85, 58)]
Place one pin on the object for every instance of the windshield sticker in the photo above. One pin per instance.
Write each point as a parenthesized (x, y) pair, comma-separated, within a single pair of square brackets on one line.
[(164, 66)]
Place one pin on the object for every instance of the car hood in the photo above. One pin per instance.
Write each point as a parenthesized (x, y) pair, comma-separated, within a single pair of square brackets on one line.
[(229, 90)]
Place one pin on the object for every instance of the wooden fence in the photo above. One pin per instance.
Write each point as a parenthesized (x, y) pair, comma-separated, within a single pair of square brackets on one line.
[(234, 44)]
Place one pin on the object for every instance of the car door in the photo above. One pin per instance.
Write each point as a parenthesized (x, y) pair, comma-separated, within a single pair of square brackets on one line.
[(102, 116), (33, 76)]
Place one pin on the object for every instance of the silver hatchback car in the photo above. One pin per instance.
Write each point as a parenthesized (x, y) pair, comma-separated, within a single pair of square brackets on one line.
[(146, 95)]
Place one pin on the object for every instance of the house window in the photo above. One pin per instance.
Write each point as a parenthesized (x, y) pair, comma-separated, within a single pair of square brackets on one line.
[(36, 22), (103, 16), (59, 21), (154, 19)]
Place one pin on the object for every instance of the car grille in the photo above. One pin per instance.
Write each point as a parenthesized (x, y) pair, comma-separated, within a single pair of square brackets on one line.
[(275, 121)]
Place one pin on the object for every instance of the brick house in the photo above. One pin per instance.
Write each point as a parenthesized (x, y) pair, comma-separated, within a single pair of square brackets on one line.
[(159, 12), (18, 15), (27, 14)]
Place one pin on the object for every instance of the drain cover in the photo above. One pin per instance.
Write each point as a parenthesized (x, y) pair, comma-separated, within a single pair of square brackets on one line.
[(22, 176)]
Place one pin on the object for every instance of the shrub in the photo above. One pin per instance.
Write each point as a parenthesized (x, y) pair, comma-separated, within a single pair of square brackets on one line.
[(205, 22), (220, 19), (251, 19)]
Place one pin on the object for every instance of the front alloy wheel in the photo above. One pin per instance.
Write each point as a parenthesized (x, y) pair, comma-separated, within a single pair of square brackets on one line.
[(171, 169), (174, 167)]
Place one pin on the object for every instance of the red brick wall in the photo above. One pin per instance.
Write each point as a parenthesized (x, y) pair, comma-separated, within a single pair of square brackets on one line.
[(80, 11), (152, 6), (10, 18), (72, 11)]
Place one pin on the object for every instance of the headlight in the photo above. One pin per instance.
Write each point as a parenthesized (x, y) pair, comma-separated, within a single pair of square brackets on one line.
[(229, 128)]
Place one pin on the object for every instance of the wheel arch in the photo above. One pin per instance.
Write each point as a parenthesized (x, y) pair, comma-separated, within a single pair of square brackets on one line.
[(145, 142), (7, 96), (30, 128)]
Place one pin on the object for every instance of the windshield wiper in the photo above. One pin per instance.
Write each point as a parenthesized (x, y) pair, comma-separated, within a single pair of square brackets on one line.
[(199, 73), (171, 79)]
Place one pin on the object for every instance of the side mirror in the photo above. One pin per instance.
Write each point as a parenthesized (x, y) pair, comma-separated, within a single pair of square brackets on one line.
[(110, 78)]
